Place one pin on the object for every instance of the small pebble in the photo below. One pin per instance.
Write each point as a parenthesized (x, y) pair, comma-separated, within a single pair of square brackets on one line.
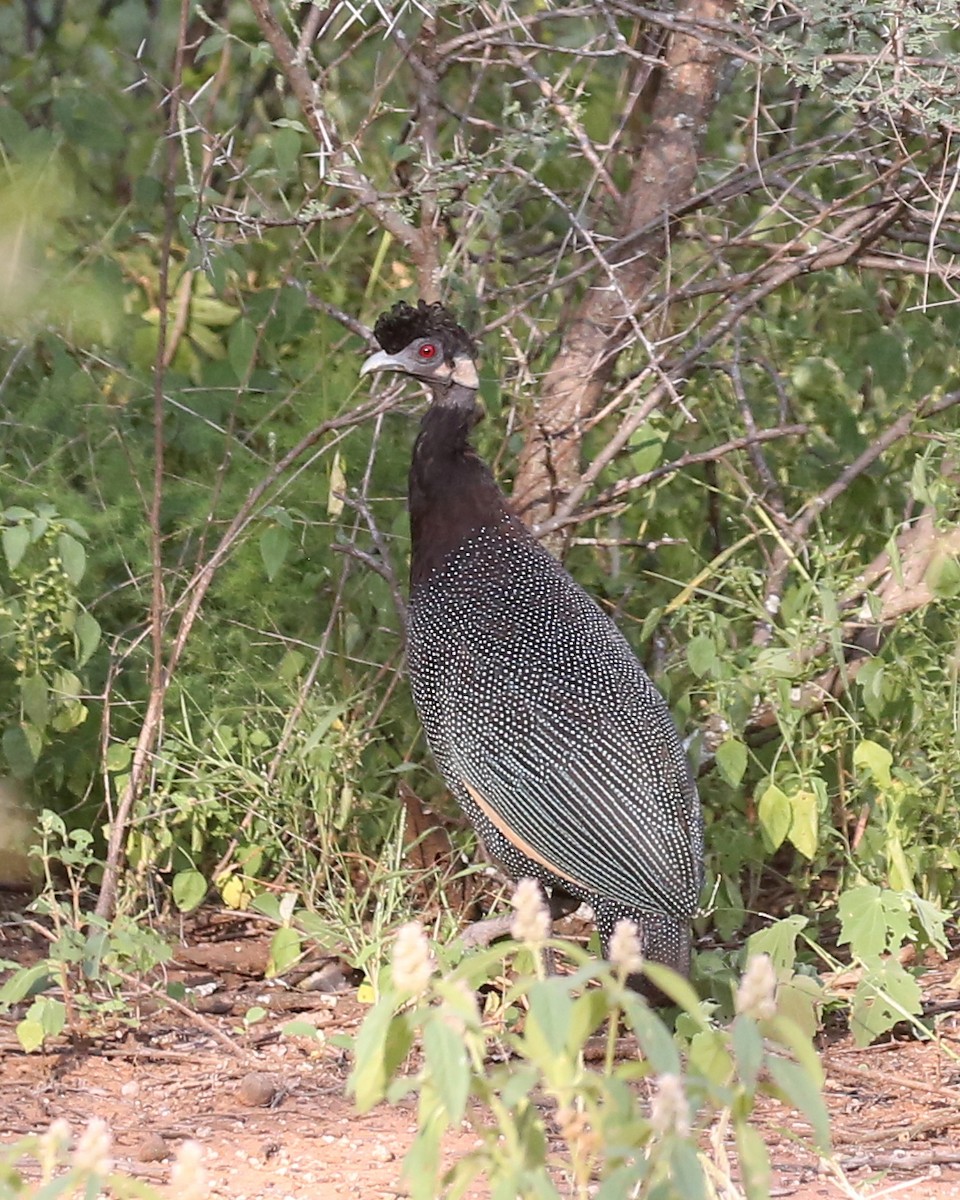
[(257, 1090), (152, 1149), (381, 1153), (130, 1088)]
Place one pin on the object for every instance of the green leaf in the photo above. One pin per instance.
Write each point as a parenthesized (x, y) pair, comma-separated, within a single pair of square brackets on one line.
[(73, 556), (211, 312), (709, 1058), (804, 822), (26, 981), (702, 655), (338, 487), (863, 925), (804, 1092), (748, 1051), (35, 698), (274, 547), (51, 1013), (285, 144), (382, 1044), (119, 755), (241, 345), (932, 921), (886, 995), (876, 759), (942, 576), (447, 1063), (547, 1027), (87, 634), (19, 751), (304, 1029), (16, 539), (285, 950), (732, 760), (754, 1162), (779, 940), (775, 814), (189, 887), (30, 1035)]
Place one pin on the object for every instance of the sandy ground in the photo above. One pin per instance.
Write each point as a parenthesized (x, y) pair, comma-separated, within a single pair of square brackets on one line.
[(895, 1107)]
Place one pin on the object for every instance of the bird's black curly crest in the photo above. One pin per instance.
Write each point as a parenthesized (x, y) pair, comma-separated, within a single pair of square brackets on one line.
[(402, 324)]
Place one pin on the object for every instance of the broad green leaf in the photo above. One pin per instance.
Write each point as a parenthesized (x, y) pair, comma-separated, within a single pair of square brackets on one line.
[(886, 995), (779, 940), (381, 1045), (87, 632), (800, 999), (119, 755), (804, 1092), (932, 921), (876, 758), (209, 311), (943, 575), (447, 1063), (241, 345), (547, 1027), (51, 1013), (73, 556), (189, 887), (285, 144), (862, 923), (754, 1162), (709, 1058), (702, 655), (686, 1171), (30, 1035), (804, 822), (35, 697), (304, 1029), (26, 981), (775, 814), (274, 547), (18, 750), (285, 950), (659, 1048), (16, 539), (748, 1050), (732, 760)]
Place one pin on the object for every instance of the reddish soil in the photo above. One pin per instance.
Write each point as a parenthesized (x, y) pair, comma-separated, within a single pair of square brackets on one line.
[(895, 1107)]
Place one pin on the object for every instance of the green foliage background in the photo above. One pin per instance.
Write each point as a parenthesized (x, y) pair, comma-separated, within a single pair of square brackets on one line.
[(286, 711)]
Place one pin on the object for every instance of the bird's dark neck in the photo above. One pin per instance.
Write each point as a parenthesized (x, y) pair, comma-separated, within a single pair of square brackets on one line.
[(452, 491)]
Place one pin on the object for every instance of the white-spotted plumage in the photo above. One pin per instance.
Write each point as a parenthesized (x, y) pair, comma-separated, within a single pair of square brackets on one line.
[(532, 699), (544, 725)]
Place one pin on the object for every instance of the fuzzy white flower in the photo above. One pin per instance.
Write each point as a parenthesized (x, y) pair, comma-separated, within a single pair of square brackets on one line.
[(757, 993), (53, 1148), (624, 948), (532, 924), (413, 963), (92, 1154), (188, 1179), (669, 1110)]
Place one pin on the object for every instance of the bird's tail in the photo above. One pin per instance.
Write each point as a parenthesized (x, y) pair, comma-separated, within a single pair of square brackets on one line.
[(663, 939)]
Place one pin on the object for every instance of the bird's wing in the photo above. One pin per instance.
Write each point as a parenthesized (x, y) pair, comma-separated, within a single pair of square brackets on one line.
[(602, 797)]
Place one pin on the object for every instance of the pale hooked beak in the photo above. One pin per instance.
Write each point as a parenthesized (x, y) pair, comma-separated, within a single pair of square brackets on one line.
[(381, 361)]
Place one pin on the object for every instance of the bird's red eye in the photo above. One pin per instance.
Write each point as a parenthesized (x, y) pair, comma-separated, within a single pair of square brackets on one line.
[(427, 350)]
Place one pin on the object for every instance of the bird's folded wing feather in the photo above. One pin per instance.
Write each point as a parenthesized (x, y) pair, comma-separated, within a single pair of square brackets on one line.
[(613, 812)]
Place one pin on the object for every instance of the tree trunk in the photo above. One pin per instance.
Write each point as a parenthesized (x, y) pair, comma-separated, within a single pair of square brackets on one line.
[(599, 330)]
